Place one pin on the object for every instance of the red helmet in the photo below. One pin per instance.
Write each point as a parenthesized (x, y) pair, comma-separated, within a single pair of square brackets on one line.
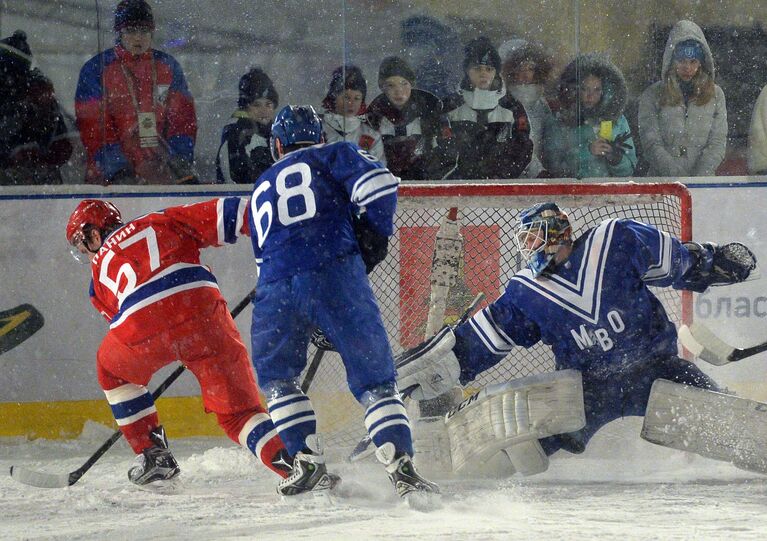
[(94, 212)]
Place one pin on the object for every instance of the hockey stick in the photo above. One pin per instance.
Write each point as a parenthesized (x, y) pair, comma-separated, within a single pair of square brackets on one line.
[(53, 480), (363, 449), (705, 345), (312, 370)]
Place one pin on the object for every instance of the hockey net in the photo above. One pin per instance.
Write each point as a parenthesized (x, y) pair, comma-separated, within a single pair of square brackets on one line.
[(488, 215)]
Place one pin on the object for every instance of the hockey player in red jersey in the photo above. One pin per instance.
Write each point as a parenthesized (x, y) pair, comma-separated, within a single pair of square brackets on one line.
[(162, 305)]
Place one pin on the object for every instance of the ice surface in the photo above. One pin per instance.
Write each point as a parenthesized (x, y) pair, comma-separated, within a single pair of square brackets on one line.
[(621, 488)]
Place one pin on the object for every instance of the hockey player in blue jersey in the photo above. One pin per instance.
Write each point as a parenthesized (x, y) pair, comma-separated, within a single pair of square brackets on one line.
[(305, 210), (589, 300)]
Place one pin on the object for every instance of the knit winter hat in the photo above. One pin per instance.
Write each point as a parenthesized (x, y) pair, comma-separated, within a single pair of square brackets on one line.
[(354, 80), (481, 52), (254, 85), (394, 65), (15, 55), (133, 13), (689, 48)]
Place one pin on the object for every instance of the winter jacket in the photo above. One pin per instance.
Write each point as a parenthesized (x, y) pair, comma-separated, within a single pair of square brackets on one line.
[(569, 133), (538, 113), (244, 152), (417, 139), (492, 132), (34, 140), (355, 129), (108, 119), (683, 140), (757, 137)]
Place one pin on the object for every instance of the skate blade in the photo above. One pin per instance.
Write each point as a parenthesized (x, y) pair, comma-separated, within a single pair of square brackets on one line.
[(424, 501), (165, 487)]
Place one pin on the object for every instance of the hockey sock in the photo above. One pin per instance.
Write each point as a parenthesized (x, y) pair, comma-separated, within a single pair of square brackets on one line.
[(386, 421), (293, 417), (134, 410), (259, 435)]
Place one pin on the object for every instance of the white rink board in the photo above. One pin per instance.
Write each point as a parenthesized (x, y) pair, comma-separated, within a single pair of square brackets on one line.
[(57, 363)]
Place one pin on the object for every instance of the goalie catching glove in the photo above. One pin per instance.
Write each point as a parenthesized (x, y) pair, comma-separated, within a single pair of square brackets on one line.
[(429, 369), (718, 265)]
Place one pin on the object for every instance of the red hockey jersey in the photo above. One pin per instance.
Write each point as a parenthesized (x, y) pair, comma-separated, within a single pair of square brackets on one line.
[(147, 275)]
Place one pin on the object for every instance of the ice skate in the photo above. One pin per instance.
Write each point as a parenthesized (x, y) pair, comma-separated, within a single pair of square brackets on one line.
[(155, 466), (309, 472), (419, 493)]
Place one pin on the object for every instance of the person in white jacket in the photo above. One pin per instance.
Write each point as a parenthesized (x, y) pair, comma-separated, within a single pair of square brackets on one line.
[(757, 136), (683, 117)]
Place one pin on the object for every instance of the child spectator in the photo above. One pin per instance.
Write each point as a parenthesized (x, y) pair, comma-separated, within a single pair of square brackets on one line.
[(244, 152), (134, 110), (33, 136), (416, 134), (683, 117), (589, 136), (526, 70), (344, 118), (491, 128)]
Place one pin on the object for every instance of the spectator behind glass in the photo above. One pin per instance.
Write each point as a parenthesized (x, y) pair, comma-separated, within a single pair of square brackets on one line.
[(134, 110), (526, 70), (416, 134), (244, 152), (757, 136), (683, 117), (33, 136), (589, 136), (491, 128), (344, 118)]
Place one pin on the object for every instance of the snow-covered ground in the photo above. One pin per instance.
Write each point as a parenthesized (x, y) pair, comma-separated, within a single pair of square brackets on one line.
[(622, 488)]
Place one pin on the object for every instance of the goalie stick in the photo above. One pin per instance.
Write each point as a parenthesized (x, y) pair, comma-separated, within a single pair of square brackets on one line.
[(61, 480), (705, 345), (363, 449)]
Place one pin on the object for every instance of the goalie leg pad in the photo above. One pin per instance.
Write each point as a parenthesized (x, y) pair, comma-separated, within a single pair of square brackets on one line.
[(708, 423), (523, 410)]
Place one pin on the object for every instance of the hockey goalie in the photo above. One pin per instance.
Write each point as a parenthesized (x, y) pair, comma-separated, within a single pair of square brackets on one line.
[(614, 346)]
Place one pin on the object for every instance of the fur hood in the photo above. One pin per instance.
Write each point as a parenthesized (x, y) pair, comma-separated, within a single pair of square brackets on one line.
[(682, 31), (614, 90)]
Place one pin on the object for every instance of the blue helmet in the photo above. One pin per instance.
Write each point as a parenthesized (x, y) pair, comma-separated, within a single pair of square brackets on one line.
[(295, 125), (543, 229)]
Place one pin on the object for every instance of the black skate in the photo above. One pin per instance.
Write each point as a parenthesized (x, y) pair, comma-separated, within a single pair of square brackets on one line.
[(309, 472), (155, 464), (418, 492)]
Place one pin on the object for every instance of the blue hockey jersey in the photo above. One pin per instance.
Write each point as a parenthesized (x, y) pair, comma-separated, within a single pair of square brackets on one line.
[(593, 309), (301, 207)]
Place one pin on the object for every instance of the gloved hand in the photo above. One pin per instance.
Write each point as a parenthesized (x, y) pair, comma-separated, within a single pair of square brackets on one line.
[(619, 148)]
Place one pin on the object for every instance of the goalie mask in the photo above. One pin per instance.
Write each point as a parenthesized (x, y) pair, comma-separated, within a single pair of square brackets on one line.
[(542, 231), (90, 214)]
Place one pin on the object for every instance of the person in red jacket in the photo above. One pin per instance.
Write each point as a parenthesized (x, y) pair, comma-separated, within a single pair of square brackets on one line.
[(162, 305), (134, 111)]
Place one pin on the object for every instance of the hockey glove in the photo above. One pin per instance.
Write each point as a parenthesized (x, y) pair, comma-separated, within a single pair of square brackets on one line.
[(429, 369), (373, 246), (321, 341), (718, 265)]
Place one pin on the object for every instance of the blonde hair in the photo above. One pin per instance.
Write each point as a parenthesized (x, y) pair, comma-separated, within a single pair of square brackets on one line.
[(703, 88)]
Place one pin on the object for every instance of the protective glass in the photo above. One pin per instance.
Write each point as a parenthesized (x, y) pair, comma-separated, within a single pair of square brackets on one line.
[(78, 250)]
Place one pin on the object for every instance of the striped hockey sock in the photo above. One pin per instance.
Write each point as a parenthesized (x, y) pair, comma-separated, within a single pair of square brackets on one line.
[(293, 417), (136, 415), (386, 421)]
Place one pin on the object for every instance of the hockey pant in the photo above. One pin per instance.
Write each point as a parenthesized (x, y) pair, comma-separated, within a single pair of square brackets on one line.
[(613, 392), (210, 347), (338, 299)]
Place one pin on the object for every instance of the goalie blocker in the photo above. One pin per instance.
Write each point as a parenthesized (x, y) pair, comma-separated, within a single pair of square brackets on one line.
[(496, 431), (710, 424)]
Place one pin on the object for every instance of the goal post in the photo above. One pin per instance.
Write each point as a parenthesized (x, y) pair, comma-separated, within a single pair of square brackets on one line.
[(488, 215)]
